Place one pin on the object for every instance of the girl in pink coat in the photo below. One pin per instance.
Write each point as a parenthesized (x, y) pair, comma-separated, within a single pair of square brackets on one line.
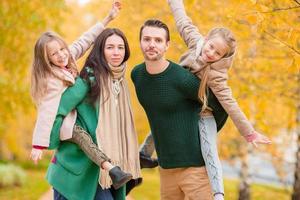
[(53, 70)]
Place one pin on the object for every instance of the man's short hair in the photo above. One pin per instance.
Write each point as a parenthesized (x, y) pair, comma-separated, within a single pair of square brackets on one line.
[(158, 24)]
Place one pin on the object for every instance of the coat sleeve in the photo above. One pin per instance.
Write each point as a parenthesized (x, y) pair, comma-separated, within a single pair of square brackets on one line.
[(218, 85), (72, 96), (84, 42), (187, 30), (46, 112)]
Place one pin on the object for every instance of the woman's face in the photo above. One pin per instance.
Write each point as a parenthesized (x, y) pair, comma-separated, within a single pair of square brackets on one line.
[(114, 50)]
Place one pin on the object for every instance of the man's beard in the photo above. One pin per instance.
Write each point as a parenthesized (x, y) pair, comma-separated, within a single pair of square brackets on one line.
[(152, 58)]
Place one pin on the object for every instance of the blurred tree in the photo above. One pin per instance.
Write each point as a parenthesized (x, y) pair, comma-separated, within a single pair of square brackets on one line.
[(21, 23), (296, 188), (264, 76)]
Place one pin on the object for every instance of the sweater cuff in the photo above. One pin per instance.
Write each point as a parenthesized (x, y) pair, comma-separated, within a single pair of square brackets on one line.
[(251, 137), (39, 147)]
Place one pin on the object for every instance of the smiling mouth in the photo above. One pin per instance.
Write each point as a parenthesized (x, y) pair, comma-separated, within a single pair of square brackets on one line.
[(151, 52), (62, 61), (208, 57), (116, 59)]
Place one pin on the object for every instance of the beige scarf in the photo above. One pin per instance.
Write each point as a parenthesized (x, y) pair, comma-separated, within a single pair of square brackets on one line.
[(115, 132)]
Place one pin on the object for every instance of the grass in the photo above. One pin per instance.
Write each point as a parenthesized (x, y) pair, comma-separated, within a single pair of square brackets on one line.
[(36, 185), (149, 190)]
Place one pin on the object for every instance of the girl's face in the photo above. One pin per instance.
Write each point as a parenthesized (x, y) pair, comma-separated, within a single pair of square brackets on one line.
[(214, 49), (57, 53), (114, 50)]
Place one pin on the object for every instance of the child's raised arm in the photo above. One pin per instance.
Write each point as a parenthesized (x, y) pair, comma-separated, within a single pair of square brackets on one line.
[(188, 31), (84, 42), (113, 13)]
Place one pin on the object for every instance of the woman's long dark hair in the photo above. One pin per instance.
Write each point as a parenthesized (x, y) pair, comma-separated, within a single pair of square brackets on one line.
[(97, 62)]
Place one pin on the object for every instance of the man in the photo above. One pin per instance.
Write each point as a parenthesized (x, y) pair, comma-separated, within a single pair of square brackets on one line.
[(169, 96)]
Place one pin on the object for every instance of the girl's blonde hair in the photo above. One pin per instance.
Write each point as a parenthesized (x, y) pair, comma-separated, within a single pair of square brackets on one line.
[(42, 67), (229, 39)]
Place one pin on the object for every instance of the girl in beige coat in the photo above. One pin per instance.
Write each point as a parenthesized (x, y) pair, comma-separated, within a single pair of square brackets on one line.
[(209, 58), (54, 69)]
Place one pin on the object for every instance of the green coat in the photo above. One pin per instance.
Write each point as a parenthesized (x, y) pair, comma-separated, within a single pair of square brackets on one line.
[(73, 174)]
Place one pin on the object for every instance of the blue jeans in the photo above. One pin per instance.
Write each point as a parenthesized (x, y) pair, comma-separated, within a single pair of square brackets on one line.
[(100, 194)]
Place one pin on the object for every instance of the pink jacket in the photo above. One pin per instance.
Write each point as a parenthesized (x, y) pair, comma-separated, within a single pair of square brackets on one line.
[(218, 75), (47, 108)]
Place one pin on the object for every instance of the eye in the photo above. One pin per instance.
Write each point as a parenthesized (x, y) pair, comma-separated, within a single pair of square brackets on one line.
[(55, 53), (146, 39), (158, 40), (121, 47)]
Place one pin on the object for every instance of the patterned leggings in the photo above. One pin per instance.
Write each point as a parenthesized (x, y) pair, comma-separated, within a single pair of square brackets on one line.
[(208, 139), (86, 144)]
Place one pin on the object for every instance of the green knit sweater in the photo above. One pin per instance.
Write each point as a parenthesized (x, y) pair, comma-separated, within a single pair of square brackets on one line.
[(170, 100)]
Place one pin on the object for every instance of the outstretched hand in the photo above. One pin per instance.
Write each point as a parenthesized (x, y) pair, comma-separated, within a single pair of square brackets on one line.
[(36, 155), (260, 139), (116, 7)]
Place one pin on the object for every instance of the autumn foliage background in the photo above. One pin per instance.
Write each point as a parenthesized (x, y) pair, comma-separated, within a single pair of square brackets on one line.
[(264, 78)]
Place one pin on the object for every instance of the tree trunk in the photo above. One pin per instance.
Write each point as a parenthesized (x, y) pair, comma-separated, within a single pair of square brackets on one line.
[(244, 187), (296, 192)]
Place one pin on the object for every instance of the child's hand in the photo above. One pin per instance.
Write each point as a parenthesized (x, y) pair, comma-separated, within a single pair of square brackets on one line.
[(257, 138), (116, 7), (36, 155), (74, 73)]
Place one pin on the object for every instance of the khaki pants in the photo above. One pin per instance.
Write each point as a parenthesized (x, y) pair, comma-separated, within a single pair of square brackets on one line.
[(190, 183)]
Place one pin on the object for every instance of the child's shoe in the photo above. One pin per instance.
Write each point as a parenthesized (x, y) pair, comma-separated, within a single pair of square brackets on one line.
[(147, 161), (118, 177), (219, 196)]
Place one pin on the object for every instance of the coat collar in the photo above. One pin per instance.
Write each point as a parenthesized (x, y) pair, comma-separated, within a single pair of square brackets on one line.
[(64, 75)]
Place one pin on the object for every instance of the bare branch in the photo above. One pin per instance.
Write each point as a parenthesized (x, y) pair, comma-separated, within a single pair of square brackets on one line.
[(286, 44), (281, 9), (297, 2)]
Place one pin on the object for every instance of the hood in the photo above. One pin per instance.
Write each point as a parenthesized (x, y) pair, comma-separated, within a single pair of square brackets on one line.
[(64, 75), (223, 63)]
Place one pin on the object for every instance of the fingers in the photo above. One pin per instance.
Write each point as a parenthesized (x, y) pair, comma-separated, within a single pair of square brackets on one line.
[(36, 155), (263, 139), (117, 4), (34, 158), (116, 7), (254, 144)]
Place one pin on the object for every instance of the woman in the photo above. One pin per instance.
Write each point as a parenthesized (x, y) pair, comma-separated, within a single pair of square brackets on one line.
[(101, 98)]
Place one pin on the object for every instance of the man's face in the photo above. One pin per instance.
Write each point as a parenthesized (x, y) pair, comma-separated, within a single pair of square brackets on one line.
[(153, 43)]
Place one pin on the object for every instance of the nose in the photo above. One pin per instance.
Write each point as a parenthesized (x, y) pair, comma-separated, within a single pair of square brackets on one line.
[(152, 43), (211, 53), (60, 53), (116, 51)]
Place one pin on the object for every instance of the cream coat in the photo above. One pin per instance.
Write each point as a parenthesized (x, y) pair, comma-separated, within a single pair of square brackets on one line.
[(47, 108), (218, 75)]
